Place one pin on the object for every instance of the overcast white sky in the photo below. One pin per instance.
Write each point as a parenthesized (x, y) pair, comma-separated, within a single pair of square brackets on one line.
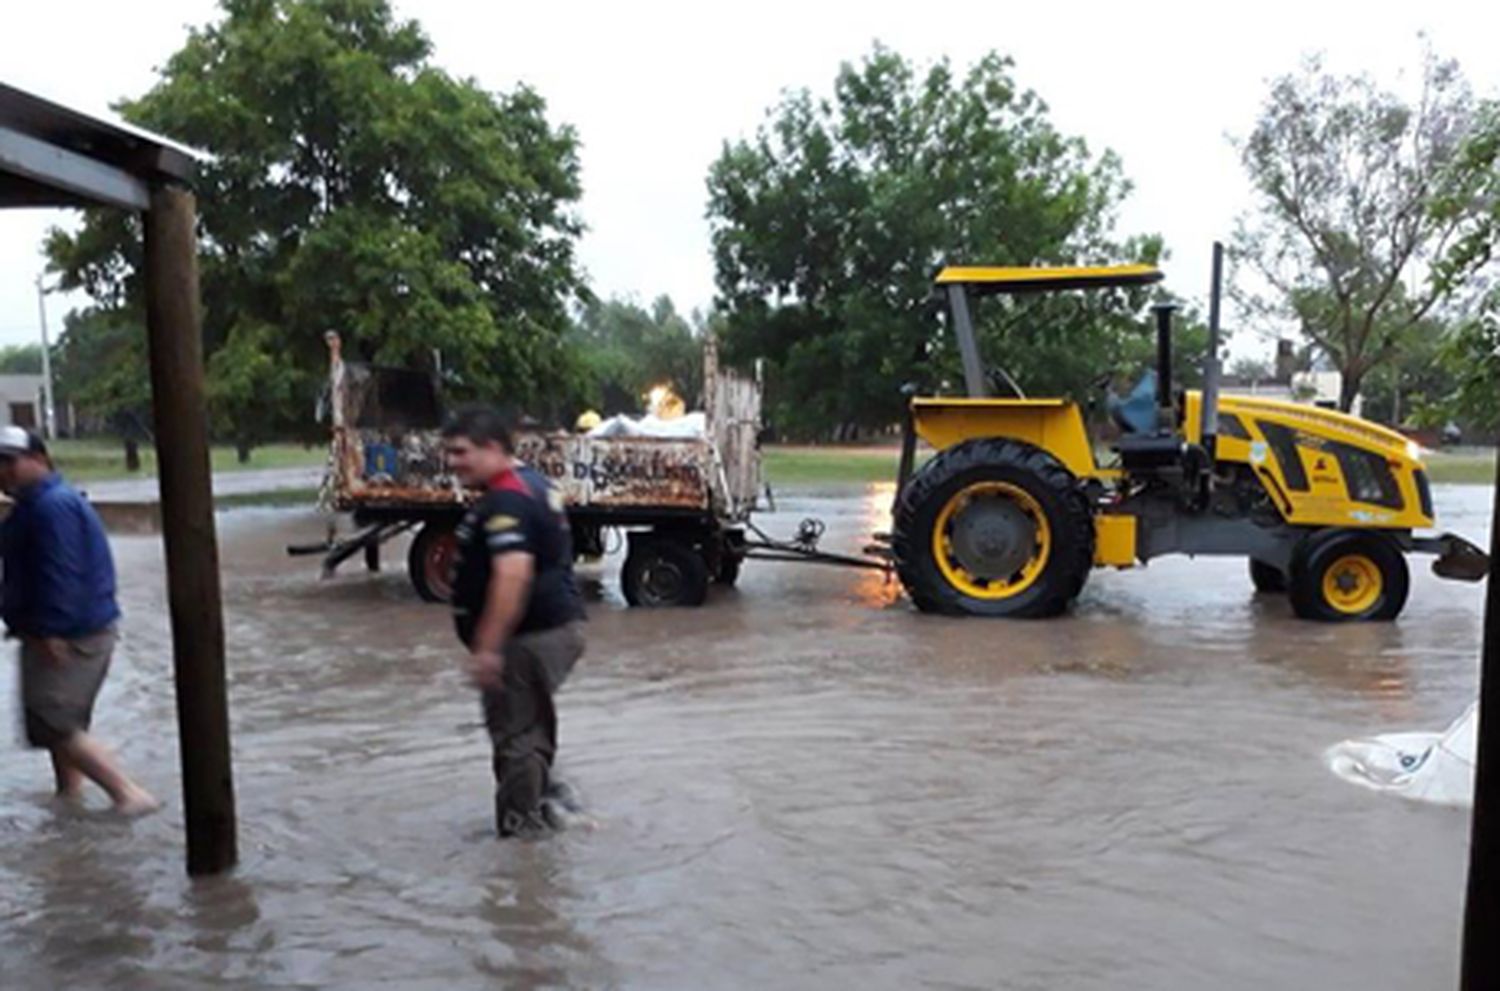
[(654, 88)]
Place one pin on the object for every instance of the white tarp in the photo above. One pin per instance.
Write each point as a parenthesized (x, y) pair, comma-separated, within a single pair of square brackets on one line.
[(690, 426), (1426, 767)]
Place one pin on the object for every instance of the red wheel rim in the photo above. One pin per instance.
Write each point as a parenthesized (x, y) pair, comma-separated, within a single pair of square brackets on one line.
[(437, 563)]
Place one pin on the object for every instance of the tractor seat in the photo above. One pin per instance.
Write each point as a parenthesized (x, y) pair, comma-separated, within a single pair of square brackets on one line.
[(1136, 412)]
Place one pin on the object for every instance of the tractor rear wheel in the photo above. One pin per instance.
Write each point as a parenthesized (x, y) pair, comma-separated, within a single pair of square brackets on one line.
[(1267, 578), (993, 527), (1346, 575)]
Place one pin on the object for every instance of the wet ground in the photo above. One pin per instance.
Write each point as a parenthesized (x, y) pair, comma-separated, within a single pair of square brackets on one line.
[(804, 784), (253, 481)]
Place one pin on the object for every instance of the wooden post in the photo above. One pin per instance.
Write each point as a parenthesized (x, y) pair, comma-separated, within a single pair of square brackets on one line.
[(192, 554), (1481, 951)]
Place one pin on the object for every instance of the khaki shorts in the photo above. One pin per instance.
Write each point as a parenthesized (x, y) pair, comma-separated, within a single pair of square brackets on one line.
[(57, 697)]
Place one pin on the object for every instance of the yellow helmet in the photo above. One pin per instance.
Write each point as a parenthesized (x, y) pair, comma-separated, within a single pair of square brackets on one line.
[(587, 420)]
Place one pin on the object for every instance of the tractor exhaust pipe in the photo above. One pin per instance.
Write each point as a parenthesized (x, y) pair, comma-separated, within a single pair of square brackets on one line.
[(1164, 419), (1210, 422)]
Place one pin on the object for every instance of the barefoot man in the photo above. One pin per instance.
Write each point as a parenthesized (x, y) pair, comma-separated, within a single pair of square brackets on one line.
[(58, 599), (518, 612)]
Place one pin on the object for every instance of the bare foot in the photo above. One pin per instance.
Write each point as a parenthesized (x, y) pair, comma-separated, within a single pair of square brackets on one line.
[(137, 803)]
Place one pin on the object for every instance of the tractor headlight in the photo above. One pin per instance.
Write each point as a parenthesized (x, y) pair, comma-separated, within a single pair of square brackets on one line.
[(1414, 450)]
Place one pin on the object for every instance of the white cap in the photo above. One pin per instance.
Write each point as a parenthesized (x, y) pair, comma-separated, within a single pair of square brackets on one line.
[(18, 440)]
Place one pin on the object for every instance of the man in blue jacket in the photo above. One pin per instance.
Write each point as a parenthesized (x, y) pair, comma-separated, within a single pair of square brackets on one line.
[(58, 599)]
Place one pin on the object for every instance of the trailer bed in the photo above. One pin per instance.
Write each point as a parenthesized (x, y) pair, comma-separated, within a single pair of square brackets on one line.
[(683, 501)]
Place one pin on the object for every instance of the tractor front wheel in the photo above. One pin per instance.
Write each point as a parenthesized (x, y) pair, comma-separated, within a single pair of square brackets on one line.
[(1348, 575), (993, 528)]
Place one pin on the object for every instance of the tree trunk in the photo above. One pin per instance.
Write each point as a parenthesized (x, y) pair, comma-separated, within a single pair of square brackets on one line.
[(1348, 391), (242, 449), (132, 455)]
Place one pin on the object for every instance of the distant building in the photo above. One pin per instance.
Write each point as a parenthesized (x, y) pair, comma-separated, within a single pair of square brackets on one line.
[(21, 401), (21, 405), (1319, 386), (1322, 388)]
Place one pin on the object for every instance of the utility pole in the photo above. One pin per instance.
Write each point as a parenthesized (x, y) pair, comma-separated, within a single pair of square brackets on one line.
[(49, 411)]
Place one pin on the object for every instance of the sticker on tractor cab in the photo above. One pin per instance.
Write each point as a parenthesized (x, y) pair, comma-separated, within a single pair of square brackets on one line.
[(1322, 473), (1258, 451), (1365, 516)]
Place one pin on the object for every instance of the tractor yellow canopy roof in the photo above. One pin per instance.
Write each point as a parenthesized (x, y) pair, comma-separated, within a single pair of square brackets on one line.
[(985, 280)]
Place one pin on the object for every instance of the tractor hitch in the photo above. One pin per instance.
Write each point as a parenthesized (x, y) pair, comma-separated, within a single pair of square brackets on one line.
[(1457, 558)]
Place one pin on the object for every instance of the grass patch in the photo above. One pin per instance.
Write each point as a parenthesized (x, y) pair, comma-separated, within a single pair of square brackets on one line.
[(807, 465), (97, 460), (1469, 466)]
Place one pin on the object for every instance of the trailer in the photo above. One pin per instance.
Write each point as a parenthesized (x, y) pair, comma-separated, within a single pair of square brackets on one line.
[(681, 504)]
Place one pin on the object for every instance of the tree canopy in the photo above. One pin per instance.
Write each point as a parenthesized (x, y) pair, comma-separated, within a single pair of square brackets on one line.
[(21, 359), (1470, 353), (829, 224), (625, 350), (356, 187), (1348, 177)]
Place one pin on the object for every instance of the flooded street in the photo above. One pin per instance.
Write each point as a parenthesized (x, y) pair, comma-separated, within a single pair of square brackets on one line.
[(804, 784)]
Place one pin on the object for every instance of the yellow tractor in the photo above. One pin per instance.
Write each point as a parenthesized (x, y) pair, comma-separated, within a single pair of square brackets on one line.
[(1013, 510)]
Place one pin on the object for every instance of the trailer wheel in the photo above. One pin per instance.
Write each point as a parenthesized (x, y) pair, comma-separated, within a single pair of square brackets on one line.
[(1348, 575), (664, 572), (1267, 578), (429, 562), (729, 570), (993, 527)]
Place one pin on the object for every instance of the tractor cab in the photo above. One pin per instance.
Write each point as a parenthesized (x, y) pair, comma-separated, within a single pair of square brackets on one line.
[(960, 285)]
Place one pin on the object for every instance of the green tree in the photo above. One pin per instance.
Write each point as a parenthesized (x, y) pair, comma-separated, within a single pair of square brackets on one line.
[(21, 359), (100, 368), (1346, 176), (356, 187), (1400, 389), (829, 224), (244, 378), (625, 350), (1471, 356), (1471, 353)]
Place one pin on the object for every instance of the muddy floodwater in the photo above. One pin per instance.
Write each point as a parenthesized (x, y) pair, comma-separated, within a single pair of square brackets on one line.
[(804, 784)]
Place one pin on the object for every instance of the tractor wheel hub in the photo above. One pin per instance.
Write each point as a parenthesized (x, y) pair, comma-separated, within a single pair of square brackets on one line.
[(993, 538)]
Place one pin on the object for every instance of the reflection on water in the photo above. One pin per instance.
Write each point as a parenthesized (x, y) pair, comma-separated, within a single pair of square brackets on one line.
[(803, 784)]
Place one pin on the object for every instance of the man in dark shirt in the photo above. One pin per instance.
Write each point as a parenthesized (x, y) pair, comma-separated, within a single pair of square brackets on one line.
[(58, 598), (517, 610)]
